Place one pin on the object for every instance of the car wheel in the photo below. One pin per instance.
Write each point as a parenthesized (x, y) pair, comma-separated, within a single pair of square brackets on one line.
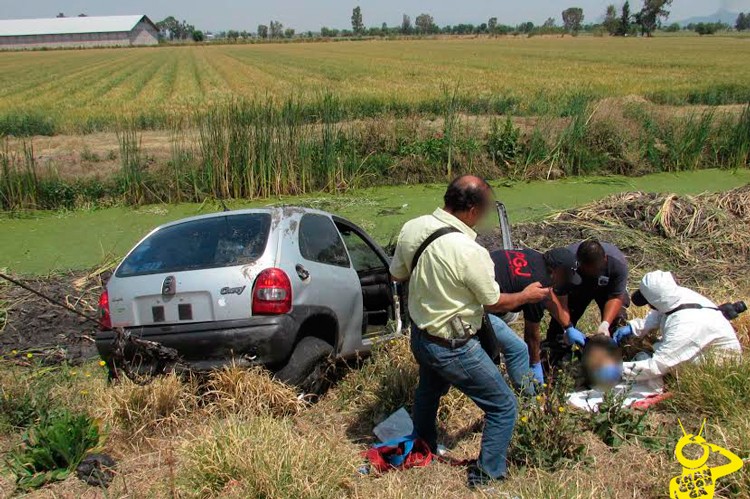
[(305, 367)]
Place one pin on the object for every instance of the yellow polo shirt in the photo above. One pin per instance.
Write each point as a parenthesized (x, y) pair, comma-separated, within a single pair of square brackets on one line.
[(454, 276)]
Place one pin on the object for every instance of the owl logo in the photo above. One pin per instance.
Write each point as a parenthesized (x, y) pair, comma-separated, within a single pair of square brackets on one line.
[(698, 480)]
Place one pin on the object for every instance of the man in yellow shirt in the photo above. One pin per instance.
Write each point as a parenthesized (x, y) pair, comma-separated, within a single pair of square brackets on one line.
[(451, 285)]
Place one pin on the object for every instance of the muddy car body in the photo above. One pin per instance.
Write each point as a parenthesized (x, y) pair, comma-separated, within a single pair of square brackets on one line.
[(279, 287)]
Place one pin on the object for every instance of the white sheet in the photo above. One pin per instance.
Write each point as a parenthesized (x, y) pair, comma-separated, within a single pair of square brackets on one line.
[(589, 400)]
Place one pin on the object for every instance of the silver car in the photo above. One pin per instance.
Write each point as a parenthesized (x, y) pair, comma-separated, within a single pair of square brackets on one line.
[(282, 287)]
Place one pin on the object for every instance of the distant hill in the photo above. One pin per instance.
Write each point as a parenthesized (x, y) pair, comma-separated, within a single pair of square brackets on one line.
[(721, 15)]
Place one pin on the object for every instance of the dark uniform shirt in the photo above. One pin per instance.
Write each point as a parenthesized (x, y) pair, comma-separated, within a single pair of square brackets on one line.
[(515, 270), (613, 283)]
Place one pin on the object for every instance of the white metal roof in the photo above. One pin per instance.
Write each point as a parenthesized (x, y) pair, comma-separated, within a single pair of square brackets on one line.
[(69, 25)]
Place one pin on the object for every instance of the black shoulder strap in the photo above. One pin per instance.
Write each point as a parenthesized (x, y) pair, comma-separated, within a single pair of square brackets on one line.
[(438, 233), (688, 306)]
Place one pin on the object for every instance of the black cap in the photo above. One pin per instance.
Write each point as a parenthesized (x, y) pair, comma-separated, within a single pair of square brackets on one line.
[(563, 257), (638, 299)]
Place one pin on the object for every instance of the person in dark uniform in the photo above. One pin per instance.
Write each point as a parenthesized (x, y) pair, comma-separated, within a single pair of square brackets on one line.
[(604, 273), (556, 269)]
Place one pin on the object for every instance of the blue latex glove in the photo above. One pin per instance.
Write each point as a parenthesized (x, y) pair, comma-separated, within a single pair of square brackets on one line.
[(538, 372), (575, 337), (622, 333)]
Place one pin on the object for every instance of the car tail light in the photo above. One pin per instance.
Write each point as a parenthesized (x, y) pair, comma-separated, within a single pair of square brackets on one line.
[(105, 320), (272, 293)]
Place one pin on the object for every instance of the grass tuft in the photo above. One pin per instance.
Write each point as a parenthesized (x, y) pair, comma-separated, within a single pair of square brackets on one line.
[(263, 457), (249, 392)]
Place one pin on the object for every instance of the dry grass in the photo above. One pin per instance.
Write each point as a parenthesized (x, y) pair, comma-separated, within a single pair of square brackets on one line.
[(141, 411), (703, 239), (264, 457), (249, 393)]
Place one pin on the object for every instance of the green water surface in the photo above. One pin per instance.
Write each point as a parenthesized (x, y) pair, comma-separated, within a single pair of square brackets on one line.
[(44, 242)]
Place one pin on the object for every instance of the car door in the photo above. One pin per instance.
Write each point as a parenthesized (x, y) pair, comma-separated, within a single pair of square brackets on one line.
[(327, 279), (381, 318)]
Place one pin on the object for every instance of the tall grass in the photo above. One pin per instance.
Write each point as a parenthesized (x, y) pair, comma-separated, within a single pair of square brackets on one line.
[(19, 183), (249, 149), (132, 171)]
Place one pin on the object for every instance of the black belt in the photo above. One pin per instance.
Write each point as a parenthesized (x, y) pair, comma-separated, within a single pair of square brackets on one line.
[(445, 342)]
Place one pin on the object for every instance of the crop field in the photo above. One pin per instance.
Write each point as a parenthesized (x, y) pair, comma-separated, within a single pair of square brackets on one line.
[(88, 90)]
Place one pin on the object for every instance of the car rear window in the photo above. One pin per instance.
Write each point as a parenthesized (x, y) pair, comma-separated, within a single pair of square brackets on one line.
[(200, 244)]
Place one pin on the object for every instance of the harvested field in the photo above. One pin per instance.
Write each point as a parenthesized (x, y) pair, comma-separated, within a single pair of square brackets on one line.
[(85, 91)]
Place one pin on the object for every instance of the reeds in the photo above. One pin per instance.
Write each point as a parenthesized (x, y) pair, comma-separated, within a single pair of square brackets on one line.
[(248, 149)]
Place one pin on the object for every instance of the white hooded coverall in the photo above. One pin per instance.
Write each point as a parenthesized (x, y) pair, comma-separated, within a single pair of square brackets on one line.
[(687, 335)]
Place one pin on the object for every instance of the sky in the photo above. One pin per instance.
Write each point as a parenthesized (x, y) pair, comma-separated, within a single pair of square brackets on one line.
[(303, 15)]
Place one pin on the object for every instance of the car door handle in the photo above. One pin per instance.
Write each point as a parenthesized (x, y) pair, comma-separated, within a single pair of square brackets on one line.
[(302, 272)]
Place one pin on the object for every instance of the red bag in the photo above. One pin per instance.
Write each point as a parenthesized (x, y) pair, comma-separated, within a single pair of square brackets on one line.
[(401, 453)]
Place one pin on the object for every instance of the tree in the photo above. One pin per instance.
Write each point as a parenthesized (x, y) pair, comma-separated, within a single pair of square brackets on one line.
[(706, 28), (263, 31), (673, 28), (406, 25), (233, 35), (492, 25), (425, 24), (60, 15), (743, 22), (276, 29), (358, 25), (611, 23), (625, 19), (82, 15), (572, 19), (549, 23), (289, 33), (198, 36), (651, 14)]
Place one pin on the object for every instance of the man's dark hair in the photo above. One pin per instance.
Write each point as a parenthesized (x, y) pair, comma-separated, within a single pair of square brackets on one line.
[(590, 252), (466, 192)]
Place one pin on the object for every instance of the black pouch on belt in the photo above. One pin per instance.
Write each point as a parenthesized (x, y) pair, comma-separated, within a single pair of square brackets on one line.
[(488, 339)]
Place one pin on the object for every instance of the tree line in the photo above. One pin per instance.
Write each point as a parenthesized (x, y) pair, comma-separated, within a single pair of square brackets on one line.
[(623, 21)]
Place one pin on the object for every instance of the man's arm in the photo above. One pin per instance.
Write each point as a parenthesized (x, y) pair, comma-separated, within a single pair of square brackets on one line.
[(612, 309), (534, 293), (533, 337), (617, 290), (558, 308), (398, 269)]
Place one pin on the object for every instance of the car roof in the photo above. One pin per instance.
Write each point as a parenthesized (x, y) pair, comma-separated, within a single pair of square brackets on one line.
[(277, 213)]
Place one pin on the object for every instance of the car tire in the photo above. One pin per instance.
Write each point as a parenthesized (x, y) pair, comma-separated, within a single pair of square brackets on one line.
[(305, 367)]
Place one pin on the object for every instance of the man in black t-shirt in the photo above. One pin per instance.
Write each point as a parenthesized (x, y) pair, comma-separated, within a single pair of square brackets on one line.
[(516, 269), (604, 273)]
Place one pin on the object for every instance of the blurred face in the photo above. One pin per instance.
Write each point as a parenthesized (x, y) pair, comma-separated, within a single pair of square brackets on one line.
[(559, 277), (593, 270), (475, 215), (603, 368)]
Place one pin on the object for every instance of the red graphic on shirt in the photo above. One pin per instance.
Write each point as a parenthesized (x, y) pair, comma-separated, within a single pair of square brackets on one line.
[(518, 263)]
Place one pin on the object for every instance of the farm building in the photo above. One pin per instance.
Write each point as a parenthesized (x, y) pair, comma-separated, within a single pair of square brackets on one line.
[(77, 32)]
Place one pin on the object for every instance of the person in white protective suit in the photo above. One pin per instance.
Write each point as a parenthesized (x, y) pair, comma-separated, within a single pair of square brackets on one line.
[(691, 326)]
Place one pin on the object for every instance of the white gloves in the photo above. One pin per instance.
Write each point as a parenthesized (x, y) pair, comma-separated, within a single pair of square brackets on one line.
[(603, 328)]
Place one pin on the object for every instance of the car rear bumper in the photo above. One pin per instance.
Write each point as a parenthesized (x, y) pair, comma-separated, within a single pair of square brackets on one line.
[(266, 340)]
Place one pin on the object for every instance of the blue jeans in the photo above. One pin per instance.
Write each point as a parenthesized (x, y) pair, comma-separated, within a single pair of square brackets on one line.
[(471, 371), (515, 354)]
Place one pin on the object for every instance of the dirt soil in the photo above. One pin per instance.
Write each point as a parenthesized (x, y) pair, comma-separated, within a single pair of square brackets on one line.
[(36, 326)]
